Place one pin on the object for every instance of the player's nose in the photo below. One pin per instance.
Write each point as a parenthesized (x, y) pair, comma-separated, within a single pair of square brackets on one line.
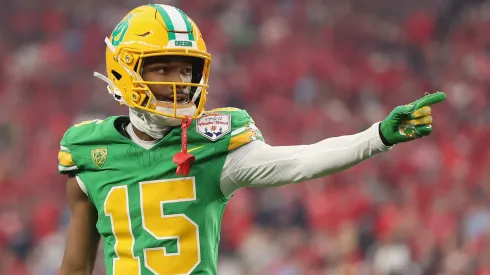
[(175, 77)]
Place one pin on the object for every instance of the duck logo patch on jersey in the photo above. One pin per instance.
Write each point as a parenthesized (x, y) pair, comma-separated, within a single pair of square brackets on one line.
[(99, 156), (214, 126)]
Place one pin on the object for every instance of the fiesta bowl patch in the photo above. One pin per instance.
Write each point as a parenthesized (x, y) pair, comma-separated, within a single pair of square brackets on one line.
[(214, 126)]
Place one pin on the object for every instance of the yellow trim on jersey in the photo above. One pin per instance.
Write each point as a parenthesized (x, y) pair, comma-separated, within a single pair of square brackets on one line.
[(65, 159), (241, 139), (194, 149), (225, 109)]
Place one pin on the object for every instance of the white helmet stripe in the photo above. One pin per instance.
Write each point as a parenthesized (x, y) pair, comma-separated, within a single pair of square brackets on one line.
[(177, 19)]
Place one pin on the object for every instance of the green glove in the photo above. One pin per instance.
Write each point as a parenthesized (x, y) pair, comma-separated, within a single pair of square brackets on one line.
[(410, 121)]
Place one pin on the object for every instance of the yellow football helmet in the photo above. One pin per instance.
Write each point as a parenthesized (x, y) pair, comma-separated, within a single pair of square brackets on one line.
[(154, 30)]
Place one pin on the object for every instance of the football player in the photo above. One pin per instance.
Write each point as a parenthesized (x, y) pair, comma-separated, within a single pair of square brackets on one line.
[(154, 184)]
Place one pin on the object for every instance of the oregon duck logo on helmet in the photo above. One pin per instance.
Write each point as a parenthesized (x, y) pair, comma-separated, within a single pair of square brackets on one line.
[(120, 31)]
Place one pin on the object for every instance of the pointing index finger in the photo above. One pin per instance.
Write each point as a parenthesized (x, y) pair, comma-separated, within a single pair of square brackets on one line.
[(430, 99)]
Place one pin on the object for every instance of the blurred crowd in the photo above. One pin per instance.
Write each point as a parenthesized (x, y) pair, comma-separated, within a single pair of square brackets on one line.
[(305, 70)]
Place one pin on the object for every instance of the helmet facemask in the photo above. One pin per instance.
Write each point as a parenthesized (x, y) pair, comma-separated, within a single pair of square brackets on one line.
[(146, 100)]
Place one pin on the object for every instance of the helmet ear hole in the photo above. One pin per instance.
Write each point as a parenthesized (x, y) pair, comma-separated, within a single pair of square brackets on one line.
[(117, 75)]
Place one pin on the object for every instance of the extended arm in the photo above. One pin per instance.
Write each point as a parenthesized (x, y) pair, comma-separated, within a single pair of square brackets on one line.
[(261, 165)]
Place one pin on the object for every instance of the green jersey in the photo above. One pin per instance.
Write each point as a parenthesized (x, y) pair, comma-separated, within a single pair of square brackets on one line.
[(151, 220)]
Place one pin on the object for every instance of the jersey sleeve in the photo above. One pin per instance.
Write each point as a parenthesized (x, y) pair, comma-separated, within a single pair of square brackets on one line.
[(66, 165), (262, 165), (244, 130), (74, 154)]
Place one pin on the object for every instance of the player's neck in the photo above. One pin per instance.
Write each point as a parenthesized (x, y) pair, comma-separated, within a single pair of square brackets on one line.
[(142, 135)]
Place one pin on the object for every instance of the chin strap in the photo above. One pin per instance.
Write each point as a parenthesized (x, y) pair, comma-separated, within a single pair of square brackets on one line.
[(184, 159)]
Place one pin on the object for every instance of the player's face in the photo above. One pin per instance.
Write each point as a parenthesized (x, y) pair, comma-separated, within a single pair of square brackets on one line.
[(168, 69)]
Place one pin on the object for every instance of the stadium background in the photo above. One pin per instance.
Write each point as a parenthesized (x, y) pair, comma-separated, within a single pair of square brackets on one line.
[(305, 70)]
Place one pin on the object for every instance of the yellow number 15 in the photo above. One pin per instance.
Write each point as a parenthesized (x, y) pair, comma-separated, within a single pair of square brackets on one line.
[(162, 227)]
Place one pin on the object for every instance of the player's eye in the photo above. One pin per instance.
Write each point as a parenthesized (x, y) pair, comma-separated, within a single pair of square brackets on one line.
[(187, 71), (161, 70)]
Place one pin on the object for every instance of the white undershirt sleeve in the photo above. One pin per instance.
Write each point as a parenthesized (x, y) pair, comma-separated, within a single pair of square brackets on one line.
[(261, 165)]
